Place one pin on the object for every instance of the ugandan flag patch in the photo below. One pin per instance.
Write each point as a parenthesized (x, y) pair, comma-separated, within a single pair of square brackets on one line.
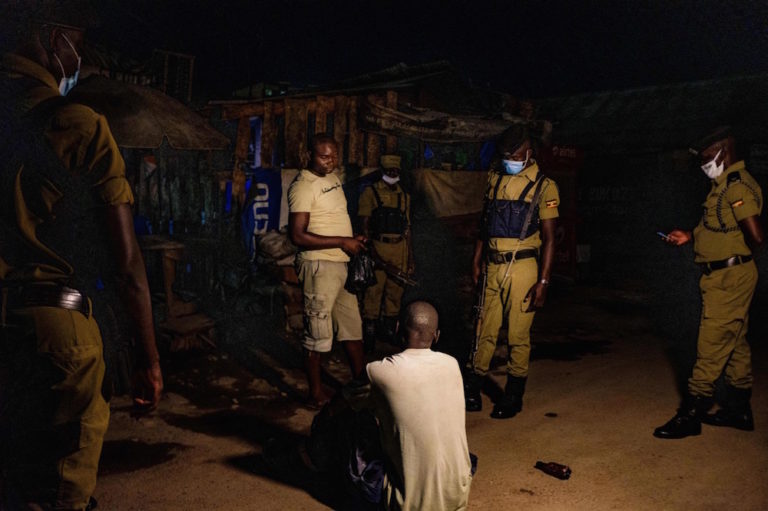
[(552, 203), (738, 203)]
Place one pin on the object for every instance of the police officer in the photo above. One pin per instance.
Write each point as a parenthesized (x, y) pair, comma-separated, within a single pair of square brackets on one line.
[(509, 252), (385, 218), (53, 416), (723, 242)]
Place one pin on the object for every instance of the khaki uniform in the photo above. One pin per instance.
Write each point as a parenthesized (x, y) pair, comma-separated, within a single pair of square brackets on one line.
[(385, 297), (54, 417), (328, 307), (726, 293), (508, 284)]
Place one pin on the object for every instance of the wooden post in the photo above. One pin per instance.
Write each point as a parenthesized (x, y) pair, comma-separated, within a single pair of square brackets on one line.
[(268, 136), (391, 140), (355, 135), (243, 138), (321, 111), (374, 139), (341, 109), (295, 132)]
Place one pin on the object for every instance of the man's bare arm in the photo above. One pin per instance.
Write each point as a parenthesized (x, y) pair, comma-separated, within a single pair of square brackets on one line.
[(134, 291), (538, 292), (753, 232), (297, 230)]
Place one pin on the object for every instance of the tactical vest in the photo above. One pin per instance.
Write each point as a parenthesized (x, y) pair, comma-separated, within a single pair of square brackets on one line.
[(734, 177), (71, 232), (505, 218), (388, 220)]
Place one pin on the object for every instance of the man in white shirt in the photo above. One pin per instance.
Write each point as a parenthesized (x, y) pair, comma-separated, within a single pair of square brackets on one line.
[(418, 399)]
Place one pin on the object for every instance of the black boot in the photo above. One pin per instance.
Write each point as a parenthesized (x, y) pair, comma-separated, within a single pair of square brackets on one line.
[(369, 335), (736, 412), (687, 421), (512, 401), (473, 382)]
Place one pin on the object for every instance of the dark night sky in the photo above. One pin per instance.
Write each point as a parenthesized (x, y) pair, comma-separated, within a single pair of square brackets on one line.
[(530, 48)]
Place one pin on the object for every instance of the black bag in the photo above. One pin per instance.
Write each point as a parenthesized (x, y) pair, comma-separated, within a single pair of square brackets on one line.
[(360, 273)]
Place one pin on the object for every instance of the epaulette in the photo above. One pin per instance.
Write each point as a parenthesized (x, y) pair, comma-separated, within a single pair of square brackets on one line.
[(733, 177)]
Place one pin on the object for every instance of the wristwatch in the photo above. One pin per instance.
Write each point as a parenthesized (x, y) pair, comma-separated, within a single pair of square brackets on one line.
[(544, 281)]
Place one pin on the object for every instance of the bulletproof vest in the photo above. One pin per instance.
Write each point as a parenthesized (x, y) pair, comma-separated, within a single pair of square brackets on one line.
[(505, 218), (722, 226), (389, 220), (70, 230)]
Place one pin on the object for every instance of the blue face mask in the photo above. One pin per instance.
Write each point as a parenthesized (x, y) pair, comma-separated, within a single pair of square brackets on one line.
[(67, 83), (513, 167)]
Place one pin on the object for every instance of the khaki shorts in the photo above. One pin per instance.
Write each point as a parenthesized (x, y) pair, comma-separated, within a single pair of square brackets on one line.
[(328, 308)]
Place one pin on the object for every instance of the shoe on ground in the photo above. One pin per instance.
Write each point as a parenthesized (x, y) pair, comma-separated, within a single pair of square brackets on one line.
[(738, 419)]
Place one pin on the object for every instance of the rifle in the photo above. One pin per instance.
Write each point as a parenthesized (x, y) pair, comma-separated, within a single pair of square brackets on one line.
[(478, 309), (392, 270)]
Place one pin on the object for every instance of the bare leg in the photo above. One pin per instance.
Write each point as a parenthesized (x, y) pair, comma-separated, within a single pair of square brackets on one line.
[(312, 360), (355, 356)]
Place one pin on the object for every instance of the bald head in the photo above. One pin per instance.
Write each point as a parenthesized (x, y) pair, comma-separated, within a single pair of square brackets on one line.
[(420, 325)]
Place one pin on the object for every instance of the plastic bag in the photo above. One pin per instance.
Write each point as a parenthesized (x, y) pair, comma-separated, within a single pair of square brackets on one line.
[(360, 273)]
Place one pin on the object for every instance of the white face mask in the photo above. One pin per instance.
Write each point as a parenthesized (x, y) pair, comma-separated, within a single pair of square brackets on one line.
[(67, 83), (712, 169), (390, 180)]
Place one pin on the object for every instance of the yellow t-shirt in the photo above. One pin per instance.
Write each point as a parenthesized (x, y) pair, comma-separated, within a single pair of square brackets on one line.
[(510, 189), (735, 195), (82, 141), (323, 198)]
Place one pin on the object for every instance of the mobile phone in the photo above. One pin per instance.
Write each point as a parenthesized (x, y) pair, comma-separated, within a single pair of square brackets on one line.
[(663, 236)]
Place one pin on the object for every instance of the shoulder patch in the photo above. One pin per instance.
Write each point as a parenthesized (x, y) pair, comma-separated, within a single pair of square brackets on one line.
[(733, 177), (552, 203), (737, 203)]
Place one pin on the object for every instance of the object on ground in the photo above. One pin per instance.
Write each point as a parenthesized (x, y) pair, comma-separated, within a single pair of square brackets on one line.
[(554, 469)]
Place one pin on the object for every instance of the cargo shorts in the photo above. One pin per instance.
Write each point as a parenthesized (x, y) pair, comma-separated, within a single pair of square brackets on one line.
[(329, 309)]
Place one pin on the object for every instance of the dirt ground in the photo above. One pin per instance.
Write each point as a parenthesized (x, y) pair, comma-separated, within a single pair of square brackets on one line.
[(600, 381)]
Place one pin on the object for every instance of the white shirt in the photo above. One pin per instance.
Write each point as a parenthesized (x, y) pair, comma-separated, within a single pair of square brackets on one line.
[(419, 401)]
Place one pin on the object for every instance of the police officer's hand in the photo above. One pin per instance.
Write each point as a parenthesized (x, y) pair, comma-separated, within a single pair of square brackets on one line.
[(147, 388), (353, 246), (678, 237), (536, 296), (477, 270)]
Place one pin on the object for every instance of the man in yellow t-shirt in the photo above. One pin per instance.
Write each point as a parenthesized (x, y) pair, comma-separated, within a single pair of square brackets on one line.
[(385, 218), (320, 226), (63, 181), (510, 251), (723, 242)]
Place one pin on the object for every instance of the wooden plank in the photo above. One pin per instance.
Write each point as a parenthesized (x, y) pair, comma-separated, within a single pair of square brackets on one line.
[(243, 138), (355, 135), (268, 136), (321, 111), (229, 112), (341, 108), (295, 133), (391, 140), (373, 152)]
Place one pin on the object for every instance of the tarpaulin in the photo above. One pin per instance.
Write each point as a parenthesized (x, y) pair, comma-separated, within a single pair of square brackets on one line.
[(451, 193)]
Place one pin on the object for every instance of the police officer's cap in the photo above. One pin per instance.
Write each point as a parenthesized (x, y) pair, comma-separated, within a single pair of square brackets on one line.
[(717, 135), (512, 138)]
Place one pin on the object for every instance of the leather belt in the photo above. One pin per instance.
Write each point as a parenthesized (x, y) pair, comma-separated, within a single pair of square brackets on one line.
[(505, 257), (39, 295), (711, 266), (389, 239)]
